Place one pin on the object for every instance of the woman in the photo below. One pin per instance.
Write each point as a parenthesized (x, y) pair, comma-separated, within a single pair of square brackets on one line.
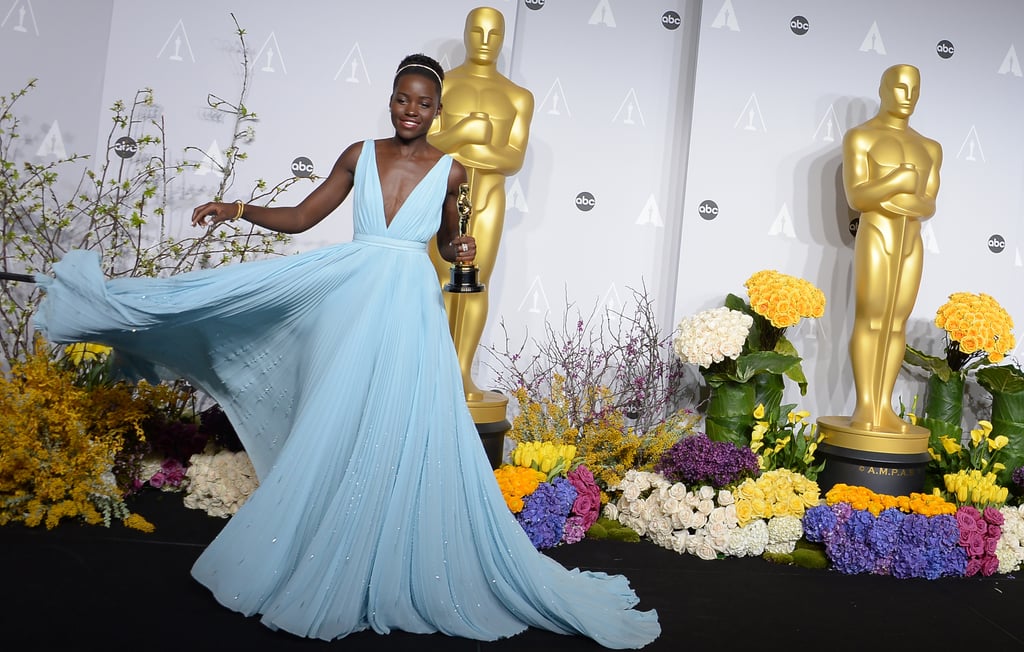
[(377, 507)]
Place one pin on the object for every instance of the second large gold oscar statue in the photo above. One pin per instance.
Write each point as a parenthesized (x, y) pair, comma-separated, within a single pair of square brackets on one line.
[(891, 175)]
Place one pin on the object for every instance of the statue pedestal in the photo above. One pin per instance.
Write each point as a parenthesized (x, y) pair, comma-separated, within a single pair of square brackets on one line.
[(489, 417), (892, 463)]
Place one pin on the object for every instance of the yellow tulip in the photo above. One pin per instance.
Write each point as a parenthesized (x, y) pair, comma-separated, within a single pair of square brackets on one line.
[(759, 411)]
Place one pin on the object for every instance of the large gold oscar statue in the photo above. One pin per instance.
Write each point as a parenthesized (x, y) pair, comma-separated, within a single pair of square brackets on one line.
[(891, 176), (484, 124)]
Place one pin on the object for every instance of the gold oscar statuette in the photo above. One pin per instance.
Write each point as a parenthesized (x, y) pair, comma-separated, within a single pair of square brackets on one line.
[(464, 276)]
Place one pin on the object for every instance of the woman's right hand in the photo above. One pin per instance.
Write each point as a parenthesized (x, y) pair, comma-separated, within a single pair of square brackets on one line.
[(212, 213)]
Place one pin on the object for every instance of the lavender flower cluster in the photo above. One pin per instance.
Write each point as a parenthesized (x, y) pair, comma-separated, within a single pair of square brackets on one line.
[(893, 543), (697, 460)]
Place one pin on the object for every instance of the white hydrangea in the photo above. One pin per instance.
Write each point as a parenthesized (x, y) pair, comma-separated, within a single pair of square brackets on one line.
[(711, 336), (1010, 549), (219, 483)]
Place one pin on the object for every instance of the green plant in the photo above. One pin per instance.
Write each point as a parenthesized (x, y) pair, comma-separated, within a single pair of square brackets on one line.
[(119, 208)]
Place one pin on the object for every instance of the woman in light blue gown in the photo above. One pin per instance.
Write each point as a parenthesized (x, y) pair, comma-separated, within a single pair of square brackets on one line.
[(377, 507)]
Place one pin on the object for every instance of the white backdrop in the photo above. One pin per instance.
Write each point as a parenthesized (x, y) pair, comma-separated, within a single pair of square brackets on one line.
[(646, 109)]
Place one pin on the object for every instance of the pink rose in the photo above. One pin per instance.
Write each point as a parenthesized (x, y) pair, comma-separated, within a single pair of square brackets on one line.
[(965, 521), (989, 565), (993, 516), (157, 480), (990, 545), (975, 544), (993, 531), (973, 567)]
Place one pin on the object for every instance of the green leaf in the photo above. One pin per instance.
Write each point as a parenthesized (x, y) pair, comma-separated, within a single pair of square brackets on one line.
[(930, 363), (1005, 379), (749, 364), (795, 372)]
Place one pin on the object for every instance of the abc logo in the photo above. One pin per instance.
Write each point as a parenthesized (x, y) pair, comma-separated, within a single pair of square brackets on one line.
[(671, 20), (854, 225), (302, 167), (125, 147), (534, 4), (799, 25), (708, 209), (945, 49), (585, 201), (996, 243)]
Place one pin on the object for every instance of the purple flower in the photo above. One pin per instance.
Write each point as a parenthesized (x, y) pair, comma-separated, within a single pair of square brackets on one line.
[(574, 530), (697, 460), (545, 512), (588, 496), (819, 523)]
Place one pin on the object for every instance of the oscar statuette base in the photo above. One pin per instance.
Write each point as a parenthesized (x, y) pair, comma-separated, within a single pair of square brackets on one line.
[(891, 463), (489, 416)]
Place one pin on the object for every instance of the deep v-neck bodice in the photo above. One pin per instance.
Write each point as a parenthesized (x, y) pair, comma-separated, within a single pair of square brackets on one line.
[(417, 217)]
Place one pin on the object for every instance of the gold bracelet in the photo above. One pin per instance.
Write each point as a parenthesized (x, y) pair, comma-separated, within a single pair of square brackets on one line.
[(241, 209)]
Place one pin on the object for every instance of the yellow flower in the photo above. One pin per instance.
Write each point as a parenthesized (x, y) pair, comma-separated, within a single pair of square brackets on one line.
[(80, 352), (950, 445), (759, 411), (998, 443)]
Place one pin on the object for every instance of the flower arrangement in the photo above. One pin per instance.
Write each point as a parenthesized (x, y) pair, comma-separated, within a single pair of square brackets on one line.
[(697, 460), (605, 443), (711, 336), (976, 330), (780, 492), (789, 442), (219, 481), (554, 501), (975, 488), (921, 535), (982, 452), (701, 520), (893, 542), (1010, 549), (59, 445), (738, 380)]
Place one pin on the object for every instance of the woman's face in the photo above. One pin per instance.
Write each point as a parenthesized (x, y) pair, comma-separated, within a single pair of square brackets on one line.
[(414, 105)]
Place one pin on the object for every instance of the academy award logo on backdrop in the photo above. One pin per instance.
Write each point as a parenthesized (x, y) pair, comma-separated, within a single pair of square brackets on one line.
[(554, 102), (629, 112), (783, 224), (353, 68), (53, 144), (602, 15), (269, 57), (671, 20), (828, 127), (750, 118), (1010, 64), (944, 49), (516, 198), (21, 18), (971, 149), (726, 17), (177, 46), (650, 214), (536, 300), (799, 25), (873, 40), (213, 161)]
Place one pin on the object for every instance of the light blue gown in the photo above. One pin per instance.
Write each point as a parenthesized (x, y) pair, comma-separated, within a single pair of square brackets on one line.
[(377, 507)]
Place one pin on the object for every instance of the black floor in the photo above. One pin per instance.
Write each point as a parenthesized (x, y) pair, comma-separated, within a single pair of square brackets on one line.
[(91, 588)]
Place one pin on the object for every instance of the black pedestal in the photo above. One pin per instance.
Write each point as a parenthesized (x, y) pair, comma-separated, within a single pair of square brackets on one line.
[(492, 435), (894, 474)]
